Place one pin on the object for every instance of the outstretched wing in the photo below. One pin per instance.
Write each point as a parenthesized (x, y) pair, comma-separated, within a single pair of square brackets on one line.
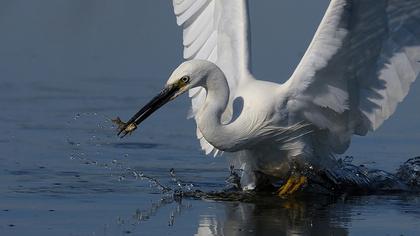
[(359, 66), (217, 31)]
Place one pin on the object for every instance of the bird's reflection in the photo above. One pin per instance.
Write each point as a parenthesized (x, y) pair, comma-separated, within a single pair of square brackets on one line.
[(269, 216)]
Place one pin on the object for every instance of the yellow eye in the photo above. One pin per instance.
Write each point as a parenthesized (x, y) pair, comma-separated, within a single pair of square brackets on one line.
[(185, 79)]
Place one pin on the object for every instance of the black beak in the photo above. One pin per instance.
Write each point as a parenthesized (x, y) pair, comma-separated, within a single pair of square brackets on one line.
[(161, 99)]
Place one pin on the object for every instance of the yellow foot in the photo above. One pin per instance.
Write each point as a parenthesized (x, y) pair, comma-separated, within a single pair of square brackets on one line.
[(293, 184)]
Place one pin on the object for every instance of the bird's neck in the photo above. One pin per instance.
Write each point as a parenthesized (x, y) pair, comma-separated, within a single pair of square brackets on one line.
[(210, 115)]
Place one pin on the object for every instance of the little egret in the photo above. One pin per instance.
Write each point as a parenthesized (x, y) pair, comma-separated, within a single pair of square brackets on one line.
[(358, 67)]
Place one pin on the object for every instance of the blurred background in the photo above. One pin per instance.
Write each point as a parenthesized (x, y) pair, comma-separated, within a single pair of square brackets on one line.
[(83, 46), (68, 66)]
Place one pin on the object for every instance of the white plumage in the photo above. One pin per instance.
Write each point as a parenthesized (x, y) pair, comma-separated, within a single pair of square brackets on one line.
[(358, 67)]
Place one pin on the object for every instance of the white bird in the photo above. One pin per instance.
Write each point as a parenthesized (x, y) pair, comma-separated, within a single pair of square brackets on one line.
[(358, 67)]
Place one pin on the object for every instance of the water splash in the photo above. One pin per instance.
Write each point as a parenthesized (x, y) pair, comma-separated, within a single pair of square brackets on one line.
[(409, 172), (352, 179)]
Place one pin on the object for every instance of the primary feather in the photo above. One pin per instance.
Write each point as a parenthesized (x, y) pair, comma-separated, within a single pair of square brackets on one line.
[(359, 66)]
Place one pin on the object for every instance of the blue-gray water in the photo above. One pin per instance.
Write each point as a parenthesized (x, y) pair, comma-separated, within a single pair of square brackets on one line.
[(66, 67)]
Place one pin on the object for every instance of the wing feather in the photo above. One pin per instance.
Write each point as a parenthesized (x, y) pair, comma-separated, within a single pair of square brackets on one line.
[(180, 6), (195, 8), (359, 66), (195, 29)]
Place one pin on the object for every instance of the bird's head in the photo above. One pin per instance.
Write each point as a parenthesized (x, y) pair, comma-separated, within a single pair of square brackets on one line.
[(188, 75)]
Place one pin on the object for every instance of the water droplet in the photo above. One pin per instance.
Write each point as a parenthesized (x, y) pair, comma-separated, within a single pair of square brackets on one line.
[(77, 116)]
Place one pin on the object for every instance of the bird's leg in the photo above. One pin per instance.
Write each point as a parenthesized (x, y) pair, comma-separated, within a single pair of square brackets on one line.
[(301, 172), (293, 184)]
